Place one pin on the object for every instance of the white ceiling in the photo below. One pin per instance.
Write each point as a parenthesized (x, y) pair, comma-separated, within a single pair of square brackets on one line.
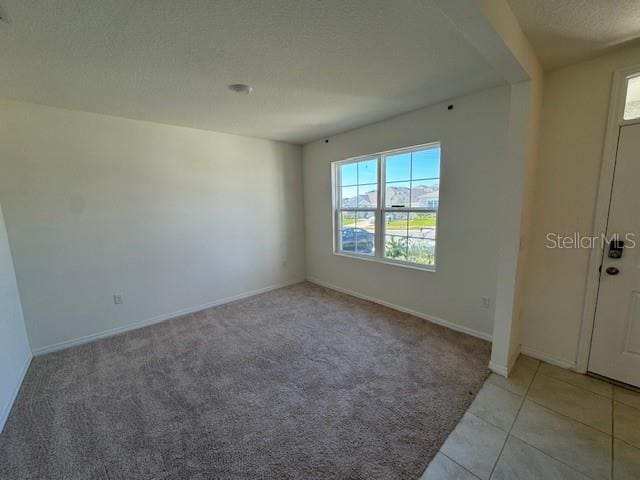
[(567, 31), (318, 67)]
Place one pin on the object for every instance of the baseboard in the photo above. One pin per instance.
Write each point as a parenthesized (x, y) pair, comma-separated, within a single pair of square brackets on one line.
[(430, 318), (514, 357), (505, 370), (545, 357), (499, 369), (4, 415), (159, 318)]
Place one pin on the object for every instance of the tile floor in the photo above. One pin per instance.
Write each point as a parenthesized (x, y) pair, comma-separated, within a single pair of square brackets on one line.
[(544, 422)]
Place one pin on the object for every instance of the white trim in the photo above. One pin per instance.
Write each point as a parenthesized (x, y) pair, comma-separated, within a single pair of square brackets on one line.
[(514, 357), (7, 408), (424, 316), (499, 369), (158, 318), (545, 357), (503, 370), (603, 197), (397, 263)]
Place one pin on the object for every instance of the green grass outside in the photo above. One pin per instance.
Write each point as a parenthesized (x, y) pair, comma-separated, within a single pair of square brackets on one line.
[(428, 220), (424, 220)]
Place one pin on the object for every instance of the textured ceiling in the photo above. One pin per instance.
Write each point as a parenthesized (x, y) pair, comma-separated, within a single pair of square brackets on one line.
[(567, 31), (318, 67)]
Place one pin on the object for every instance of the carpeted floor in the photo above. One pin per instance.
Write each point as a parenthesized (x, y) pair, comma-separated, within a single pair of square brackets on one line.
[(301, 382)]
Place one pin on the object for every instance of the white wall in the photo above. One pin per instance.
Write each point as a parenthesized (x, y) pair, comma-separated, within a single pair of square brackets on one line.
[(172, 218), (574, 117), (473, 137), (515, 227), (15, 353), (493, 29)]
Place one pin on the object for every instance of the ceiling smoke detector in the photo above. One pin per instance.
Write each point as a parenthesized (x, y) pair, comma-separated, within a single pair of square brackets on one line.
[(241, 88)]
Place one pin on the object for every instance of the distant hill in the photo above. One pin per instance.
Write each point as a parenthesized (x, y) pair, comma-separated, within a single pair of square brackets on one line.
[(421, 196)]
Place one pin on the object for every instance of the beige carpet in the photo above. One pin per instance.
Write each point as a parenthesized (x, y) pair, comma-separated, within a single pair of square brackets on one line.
[(298, 383)]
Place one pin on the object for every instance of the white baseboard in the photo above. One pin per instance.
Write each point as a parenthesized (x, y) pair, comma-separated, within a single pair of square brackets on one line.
[(501, 370), (158, 318), (514, 357), (4, 415), (545, 357), (424, 316), (504, 370)]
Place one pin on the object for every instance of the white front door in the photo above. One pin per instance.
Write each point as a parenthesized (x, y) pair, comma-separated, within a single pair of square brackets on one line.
[(615, 346)]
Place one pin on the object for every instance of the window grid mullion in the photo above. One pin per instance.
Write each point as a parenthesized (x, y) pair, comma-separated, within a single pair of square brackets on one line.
[(357, 187), (347, 209), (410, 187), (381, 204)]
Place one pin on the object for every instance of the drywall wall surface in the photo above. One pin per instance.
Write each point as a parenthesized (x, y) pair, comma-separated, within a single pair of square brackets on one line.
[(15, 353), (473, 138), (515, 231), (492, 27), (574, 117), (171, 218)]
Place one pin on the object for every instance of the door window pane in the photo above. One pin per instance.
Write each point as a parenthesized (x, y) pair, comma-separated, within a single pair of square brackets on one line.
[(632, 102)]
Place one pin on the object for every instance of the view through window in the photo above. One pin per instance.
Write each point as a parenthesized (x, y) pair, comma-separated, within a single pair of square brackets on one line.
[(632, 100), (396, 223)]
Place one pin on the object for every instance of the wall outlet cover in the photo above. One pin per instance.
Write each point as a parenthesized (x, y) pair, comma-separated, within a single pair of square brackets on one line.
[(485, 302)]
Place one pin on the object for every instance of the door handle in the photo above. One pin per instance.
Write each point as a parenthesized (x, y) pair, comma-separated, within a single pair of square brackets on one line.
[(612, 271)]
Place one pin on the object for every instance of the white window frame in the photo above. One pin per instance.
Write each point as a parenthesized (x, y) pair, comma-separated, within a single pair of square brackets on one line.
[(380, 210)]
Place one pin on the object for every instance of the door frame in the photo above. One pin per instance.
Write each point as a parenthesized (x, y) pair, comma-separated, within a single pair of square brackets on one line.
[(603, 198)]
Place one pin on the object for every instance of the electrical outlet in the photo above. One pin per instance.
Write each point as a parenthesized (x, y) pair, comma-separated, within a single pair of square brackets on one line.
[(485, 302), (117, 299)]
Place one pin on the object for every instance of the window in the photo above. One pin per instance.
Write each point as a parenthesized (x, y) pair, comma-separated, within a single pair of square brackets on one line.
[(386, 206), (358, 202), (632, 100)]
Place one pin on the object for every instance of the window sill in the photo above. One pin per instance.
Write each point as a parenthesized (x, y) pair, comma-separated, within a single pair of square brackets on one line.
[(412, 266)]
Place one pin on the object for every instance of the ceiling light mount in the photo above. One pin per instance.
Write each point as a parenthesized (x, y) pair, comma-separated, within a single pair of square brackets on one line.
[(241, 88)]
